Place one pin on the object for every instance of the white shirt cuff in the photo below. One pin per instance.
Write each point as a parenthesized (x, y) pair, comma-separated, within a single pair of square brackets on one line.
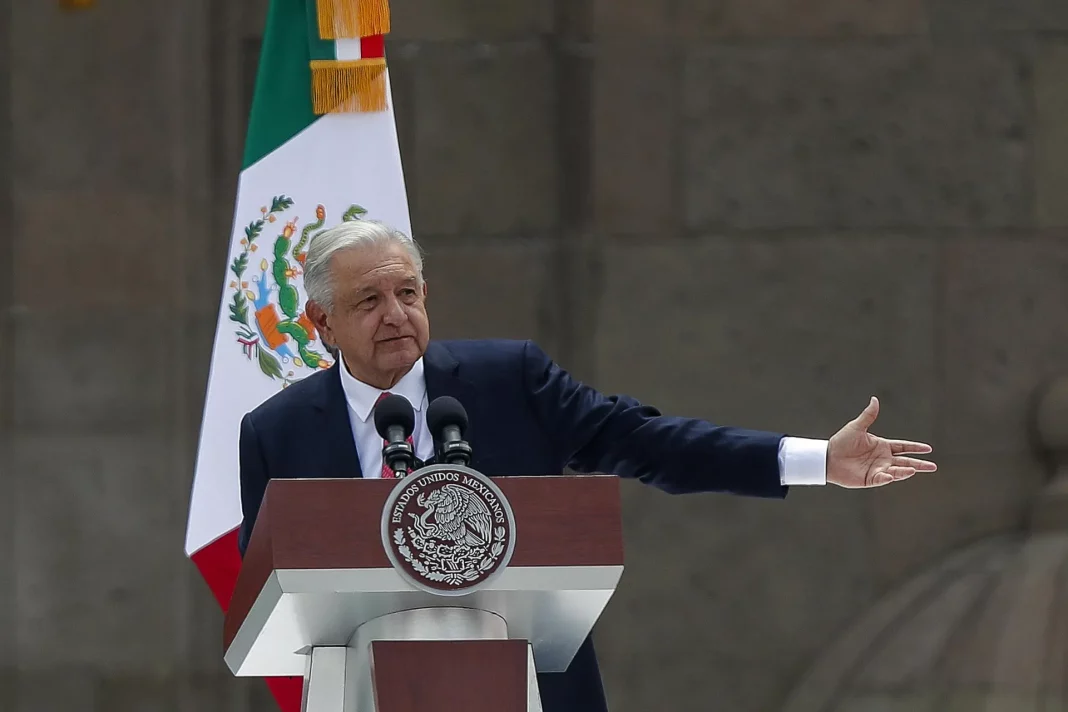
[(802, 461)]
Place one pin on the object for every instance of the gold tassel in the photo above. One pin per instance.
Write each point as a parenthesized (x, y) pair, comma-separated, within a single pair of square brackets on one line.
[(356, 85), (346, 19)]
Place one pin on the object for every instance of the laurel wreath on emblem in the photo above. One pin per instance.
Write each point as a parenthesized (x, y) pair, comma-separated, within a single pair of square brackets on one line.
[(278, 332), (446, 563)]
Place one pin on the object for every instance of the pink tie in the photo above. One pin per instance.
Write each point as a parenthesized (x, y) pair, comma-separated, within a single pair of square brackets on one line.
[(387, 471)]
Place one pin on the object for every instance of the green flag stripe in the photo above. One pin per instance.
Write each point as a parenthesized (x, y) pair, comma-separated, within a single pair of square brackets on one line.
[(281, 102)]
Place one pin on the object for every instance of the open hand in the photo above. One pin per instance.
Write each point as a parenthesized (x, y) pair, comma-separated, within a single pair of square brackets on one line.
[(856, 458)]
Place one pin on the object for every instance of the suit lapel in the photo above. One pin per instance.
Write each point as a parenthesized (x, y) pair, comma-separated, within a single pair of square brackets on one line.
[(443, 378), (341, 456)]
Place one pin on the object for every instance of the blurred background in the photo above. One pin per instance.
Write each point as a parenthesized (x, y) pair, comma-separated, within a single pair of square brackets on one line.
[(759, 212)]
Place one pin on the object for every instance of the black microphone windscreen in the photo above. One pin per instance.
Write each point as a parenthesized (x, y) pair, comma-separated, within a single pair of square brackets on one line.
[(394, 410), (445, 411)]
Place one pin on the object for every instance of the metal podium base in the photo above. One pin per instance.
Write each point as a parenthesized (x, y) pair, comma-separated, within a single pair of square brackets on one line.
[(338, 679)]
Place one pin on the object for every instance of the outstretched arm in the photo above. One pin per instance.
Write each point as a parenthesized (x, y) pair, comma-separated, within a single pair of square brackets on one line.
[(620, 436)]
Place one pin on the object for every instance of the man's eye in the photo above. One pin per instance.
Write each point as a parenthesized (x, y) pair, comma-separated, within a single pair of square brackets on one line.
[(369, 302)]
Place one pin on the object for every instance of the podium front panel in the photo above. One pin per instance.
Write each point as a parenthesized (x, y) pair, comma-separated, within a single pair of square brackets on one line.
[(316, 569)]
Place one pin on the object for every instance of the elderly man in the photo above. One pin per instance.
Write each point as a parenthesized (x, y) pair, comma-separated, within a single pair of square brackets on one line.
[(367, 298)]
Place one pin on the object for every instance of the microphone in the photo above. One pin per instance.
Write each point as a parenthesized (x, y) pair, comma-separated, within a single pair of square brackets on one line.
[(447, 421), (395, 422)]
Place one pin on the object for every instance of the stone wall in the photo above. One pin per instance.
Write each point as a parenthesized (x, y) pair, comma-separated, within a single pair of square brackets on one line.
[(743, 210), (7, 509)]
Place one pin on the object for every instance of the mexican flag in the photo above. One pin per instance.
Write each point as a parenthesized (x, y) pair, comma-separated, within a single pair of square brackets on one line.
[(321, 147)]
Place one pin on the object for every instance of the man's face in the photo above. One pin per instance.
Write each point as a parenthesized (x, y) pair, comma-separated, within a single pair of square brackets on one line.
[(379, 316)]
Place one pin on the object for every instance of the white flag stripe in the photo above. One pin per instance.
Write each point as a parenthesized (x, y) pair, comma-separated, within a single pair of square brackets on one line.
[(348, 49)]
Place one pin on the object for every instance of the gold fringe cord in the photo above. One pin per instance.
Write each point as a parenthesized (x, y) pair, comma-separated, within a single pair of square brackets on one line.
[(357, 85), (345, 19)]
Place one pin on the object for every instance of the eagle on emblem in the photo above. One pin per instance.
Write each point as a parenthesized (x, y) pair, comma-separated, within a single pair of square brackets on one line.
[(460, 516)]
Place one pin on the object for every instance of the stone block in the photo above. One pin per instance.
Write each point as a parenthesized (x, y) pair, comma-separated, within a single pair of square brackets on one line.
[(8, 653), (140, 694), (907, 701), (80, 689), (8, 690), (74, 96), (471, 19), (915, 523), (184, 693), (632, 18), (716, 577), (99, 525), (1051, 134), (858, 135), (635, 119), (251, 16), (6, 149), (90, 249), (197, 344), (757, 18), (574, 123), (692, 681), (99, 371), (1049, 512), (1003, 332), (7, 358), (207, 268), (792, 335), (235, 44), (484, 157), (574, 21), (403, 69), (490, 288), (58, 688), (204, 622), (788, 18), (949, 17)]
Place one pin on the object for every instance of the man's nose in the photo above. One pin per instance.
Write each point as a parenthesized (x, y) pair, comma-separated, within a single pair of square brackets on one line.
[(394, 312)]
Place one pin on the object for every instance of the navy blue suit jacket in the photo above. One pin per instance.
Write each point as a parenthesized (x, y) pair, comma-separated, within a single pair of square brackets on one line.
[(527, 417)]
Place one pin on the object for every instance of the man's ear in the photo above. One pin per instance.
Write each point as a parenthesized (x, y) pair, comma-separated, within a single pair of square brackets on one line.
[(319, 318), (424, 289)]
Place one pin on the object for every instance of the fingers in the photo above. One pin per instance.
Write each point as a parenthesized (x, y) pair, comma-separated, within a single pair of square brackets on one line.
[(892, 474), (868, 415), (907, 447), (914, 464), (900, 473), (901, 468)]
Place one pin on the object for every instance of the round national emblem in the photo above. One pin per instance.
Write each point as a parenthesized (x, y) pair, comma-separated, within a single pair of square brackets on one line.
[(448, 529)]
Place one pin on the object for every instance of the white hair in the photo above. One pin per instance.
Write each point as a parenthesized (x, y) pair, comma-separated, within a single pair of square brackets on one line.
[(348, 235)]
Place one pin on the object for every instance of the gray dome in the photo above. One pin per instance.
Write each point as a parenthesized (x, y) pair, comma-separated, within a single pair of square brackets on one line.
[(984, 631)]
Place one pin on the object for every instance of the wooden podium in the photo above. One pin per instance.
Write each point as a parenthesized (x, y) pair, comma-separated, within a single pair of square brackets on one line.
[(384, 600)]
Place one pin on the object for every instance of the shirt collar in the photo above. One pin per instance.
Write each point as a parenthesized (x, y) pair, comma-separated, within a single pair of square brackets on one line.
[(362, 397)]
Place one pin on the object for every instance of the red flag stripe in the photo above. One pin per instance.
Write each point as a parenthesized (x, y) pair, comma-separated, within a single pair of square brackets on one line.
[(373, 46)]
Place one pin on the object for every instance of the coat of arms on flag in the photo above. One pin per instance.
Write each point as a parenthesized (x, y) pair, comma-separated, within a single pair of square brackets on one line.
[(321, 147), (267, 297)]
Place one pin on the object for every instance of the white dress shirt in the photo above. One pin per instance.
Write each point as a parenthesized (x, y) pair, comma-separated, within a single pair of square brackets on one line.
[(802, 461), (361, 399)]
